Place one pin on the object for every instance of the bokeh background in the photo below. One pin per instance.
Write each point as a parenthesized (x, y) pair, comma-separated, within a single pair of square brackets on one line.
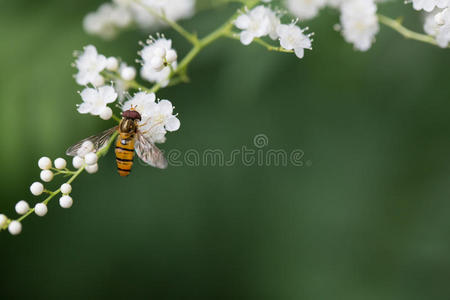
[(369, 219)]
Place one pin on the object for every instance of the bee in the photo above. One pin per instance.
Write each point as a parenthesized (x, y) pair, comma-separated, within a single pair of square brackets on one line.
[(130, 139)]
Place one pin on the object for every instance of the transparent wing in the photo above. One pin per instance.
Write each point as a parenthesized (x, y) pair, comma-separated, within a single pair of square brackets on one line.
[(149, 153), (99, 140)]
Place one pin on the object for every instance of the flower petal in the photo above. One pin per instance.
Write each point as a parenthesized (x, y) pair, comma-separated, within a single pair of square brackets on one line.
[(172, 124), (165, 107), (84, 108)]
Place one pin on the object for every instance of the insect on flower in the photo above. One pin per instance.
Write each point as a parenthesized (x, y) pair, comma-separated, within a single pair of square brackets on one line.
[(130, 139)]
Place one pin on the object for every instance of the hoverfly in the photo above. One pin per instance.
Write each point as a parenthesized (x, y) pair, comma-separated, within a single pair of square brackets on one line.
[(130, 139)]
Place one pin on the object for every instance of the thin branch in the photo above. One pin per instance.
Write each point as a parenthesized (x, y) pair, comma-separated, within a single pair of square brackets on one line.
[(407, 33), (235, 36)]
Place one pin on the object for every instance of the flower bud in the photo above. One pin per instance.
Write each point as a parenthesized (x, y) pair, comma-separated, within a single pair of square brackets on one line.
[(22, 207), (44, 163), (37, 188)]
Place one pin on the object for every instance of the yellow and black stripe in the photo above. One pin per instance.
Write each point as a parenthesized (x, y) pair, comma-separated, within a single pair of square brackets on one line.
[(124, 155)]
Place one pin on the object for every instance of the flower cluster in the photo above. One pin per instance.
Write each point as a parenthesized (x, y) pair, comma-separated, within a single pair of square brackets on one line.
[(157, 116), (112, 17), (262, 21), (48, 172), (158, 59), (108, 80), (359, 21), (91, 65)]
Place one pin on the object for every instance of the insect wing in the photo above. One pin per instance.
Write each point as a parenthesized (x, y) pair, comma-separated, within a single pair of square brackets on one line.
[(149, 153), (99, 140)]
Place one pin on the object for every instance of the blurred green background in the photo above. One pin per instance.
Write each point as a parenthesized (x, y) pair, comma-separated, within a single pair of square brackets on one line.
[(368, 220)]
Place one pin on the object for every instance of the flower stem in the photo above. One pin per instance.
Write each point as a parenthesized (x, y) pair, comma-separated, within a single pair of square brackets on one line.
[(235, 36), (407, 33), (222, 31)]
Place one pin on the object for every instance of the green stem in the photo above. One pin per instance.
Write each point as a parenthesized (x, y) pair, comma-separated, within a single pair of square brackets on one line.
[(222, 31), (235, 36), (407, 33)]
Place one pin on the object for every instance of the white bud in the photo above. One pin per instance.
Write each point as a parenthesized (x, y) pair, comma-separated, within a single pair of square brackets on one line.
[(171, 56), (40, 209), (91, 169), (44, 163), (128, 73), (3, 220), (15, 227), (157, 63), (91, 158), (98, 81), (66, 201), (106, 113), (22, 207), (77, 162), (85, 148), (60, 163), (37, 188), (112, 63), (46, 175), (66, 188)]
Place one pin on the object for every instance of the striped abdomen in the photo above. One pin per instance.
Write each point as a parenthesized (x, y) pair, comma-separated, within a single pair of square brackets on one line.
[(124, 155)]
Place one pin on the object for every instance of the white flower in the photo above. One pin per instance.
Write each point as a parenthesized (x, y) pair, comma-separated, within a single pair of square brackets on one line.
[(40, 209), (359, 23), (66, 188), (15, 227), (305, 9), (66, 201), (107, 20), (157, 117), (437, 24), (157, 57), (173, 9), (89, 65), (22, 207), (429, 5), (258, 22), (95, 100), (37, 188), (46, 175), (292, 38), (60, 163), (3, 220), (44, 163)]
